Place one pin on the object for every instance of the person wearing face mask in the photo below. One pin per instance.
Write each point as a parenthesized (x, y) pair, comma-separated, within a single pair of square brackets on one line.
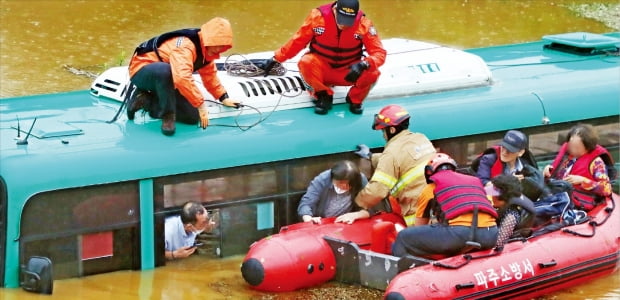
[(338, 34), (181, 230), (586, 165), (331, 193), (510, 157)]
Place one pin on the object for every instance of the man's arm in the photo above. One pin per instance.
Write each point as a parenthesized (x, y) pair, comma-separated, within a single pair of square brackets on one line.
[(380, 183), (423, 211), (484, 169), (211, 82), (301, 38), (372, 43), (182, 252), (182, 66), (310, 199)]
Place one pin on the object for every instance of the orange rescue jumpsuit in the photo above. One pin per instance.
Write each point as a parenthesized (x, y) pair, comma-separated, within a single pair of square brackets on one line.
[(319, 70), (180, 54)]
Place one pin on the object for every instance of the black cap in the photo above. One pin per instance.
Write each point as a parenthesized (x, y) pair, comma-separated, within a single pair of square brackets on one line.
[(346, 11), (514, 141)]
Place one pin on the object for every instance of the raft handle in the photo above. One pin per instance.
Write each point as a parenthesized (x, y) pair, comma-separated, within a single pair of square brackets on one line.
[(461, 286), (550, 264)]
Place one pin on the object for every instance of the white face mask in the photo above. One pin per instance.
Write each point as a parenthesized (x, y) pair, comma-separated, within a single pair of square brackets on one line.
[(339, 191), (197, 232)]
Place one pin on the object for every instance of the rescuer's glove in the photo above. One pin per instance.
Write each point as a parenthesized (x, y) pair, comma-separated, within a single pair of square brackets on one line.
[(363, 151), (269, 64), (356, 71), (203, 112)]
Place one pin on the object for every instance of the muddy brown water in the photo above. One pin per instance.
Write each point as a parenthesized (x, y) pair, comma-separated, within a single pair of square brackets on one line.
[(38, 38)]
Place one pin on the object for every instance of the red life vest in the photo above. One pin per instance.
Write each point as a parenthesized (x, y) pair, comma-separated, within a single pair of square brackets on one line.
[(339, 48), (582, 198), (498, 167), (457, 194)]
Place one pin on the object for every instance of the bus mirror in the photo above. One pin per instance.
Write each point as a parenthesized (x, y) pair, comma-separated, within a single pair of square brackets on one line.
[(37, 275)]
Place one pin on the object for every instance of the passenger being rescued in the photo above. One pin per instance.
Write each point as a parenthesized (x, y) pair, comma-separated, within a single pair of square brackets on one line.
[(584, 164), (511, 157), (331, 193), (453, 198), (516, 212), (181, 230)]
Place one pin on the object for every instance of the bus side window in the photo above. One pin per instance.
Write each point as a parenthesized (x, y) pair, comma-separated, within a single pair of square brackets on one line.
[(216, 186), (546, 145), (84, 231)]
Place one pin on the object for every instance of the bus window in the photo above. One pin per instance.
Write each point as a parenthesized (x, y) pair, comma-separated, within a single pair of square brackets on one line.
[(545, 145), (304, 170), (84, 231), (464, 150), (221, 185)]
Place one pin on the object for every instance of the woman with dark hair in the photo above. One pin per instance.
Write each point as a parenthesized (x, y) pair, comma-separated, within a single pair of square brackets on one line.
[(587, 166), (331, 193), (516, 212)]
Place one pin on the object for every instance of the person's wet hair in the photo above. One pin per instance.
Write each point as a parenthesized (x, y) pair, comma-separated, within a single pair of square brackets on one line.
[(587, 133), (189, 211), (347, 170), (508, 186)]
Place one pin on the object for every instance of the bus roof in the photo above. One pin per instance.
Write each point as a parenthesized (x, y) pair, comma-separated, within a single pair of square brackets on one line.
[(72, 145)]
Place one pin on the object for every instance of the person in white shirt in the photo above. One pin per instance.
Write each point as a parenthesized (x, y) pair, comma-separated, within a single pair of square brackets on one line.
[(181, 230)]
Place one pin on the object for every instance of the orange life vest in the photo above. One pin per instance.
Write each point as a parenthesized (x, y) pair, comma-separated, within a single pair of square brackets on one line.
[(339, 47)]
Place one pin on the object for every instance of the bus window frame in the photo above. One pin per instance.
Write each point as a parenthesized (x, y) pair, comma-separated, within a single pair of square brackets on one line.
[(119, 229), (3, 219)]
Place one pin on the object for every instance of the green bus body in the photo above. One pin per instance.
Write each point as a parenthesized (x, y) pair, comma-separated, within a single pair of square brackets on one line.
[(530, 83)]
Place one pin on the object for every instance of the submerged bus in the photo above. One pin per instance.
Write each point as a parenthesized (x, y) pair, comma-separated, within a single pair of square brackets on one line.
[(92, 196)]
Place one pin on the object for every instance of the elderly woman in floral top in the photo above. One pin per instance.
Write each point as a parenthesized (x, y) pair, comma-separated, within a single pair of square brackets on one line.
[(586, 165)]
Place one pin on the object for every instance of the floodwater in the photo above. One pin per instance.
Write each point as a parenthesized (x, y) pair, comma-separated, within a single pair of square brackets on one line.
[(39, 39)]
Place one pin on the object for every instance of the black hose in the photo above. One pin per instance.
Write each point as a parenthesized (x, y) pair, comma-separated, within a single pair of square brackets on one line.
[(130, 89), (594, 224)]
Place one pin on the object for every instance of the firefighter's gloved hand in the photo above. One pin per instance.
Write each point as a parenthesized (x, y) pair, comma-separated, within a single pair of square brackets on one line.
[(356, 71), (269, 65), (231, 103), (363, 151), (203, 113)]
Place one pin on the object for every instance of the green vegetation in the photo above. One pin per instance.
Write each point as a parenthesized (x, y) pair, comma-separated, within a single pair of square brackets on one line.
[(608, 14)]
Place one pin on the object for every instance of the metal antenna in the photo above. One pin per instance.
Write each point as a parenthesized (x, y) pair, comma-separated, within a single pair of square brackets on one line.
[(24, 141), (545, 119), (18, 128)]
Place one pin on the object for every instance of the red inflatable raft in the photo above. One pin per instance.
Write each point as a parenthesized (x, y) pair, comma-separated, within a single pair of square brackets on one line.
[(304, 255), (524, 269), (300, 257)]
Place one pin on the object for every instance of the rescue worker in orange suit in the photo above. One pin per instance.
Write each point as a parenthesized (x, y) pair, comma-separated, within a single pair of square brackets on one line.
[(454, 198), (338, 33), (161, 69), (399, 171)]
